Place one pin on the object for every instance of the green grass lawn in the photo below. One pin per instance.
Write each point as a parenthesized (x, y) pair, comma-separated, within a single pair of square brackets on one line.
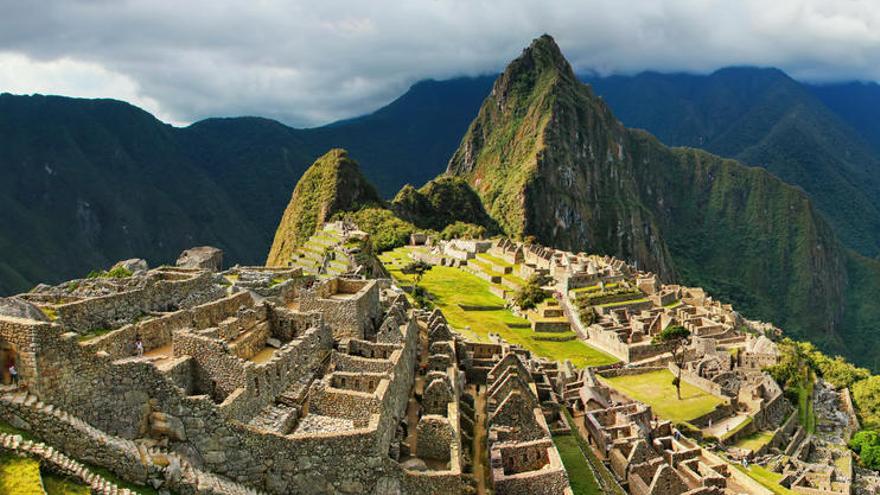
[(655, 389), (624, 303), (58, 485), (755, 441), (19, 476), (765, 477), (451, 287), (494, 259), (580, 474)]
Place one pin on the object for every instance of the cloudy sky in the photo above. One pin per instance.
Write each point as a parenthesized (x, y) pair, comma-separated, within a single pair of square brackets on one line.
[(311, 62)]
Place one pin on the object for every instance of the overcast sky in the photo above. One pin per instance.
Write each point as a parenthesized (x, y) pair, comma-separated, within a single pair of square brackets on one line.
[(311, 62)]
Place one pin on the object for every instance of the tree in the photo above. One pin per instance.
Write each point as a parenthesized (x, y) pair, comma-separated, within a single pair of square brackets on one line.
[(678, 337), (417, 269), (531, 294)]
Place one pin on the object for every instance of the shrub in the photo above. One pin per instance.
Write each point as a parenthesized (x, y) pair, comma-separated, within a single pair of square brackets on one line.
[(531, 294), (462, 230), (115, 272), (386, 230)]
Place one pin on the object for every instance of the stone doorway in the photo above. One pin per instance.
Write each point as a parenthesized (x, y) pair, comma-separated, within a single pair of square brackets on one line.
[(8, 357)]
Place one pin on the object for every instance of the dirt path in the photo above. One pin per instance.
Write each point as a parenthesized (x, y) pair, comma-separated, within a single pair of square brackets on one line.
[(481, 457)]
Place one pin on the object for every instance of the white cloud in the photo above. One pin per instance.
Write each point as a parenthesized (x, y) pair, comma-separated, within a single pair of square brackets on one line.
[(308, 62), (21, 75)]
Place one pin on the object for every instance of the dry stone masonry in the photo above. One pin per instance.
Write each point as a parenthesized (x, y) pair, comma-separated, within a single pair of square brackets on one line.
[(314, 378)]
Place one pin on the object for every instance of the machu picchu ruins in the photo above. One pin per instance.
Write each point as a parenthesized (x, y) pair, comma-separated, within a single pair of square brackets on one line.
[(326, 375)]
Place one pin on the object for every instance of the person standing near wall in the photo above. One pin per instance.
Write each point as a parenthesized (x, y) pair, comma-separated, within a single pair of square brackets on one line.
[(138, 346), (13, 373)]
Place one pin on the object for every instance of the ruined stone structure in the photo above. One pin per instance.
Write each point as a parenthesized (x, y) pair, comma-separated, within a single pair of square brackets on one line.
[(251, 379)]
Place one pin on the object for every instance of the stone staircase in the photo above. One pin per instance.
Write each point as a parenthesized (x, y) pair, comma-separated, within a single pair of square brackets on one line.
[(177, 472), (60, 463)]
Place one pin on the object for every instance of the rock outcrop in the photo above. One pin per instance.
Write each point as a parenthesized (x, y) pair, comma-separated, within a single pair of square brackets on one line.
[(204, 257), (19, 308)]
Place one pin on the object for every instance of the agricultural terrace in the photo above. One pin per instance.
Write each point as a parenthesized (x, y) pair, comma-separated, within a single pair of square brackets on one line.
[(580, 474), (655, 389), (755, 441), (453, 290)]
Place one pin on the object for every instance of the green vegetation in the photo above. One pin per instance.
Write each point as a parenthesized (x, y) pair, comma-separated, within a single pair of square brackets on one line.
[(446, 204), (50, 312), (19, 476), (332, 184), (451, 288), (796, 372), (115, 272), (462, 230), (59, 485), (94, 333), (656, 389), (531, 294), (866, 443), (678, 338), (385, 229), (765, 477), (580, 474)]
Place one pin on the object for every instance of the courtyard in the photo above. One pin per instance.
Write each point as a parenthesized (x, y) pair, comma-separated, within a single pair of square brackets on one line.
[(655, 389)]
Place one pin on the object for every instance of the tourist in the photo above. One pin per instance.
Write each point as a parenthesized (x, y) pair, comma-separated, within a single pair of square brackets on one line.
[(138, 346), (13, 374)]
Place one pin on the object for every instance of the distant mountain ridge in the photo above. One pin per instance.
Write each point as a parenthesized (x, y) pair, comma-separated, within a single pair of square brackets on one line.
[(84, 183), (762, 117), (551, 161)]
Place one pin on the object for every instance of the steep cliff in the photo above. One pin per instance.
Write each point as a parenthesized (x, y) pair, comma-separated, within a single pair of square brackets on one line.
[(332, 184), (549, 160)]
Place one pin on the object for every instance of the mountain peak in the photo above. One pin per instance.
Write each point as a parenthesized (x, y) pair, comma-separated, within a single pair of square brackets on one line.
[(332, 184), (541, 58)]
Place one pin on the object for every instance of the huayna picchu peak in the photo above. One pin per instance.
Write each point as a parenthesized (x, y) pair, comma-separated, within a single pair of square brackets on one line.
[(550, 161)]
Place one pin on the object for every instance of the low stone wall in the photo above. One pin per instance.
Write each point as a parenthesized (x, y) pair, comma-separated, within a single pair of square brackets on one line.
[(89, 444), (615, 372), (156, 332), (701, 383), (352, 316), (158, 294), (345, 362)]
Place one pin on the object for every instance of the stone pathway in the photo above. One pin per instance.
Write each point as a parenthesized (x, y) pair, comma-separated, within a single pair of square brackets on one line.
[(481, 457), (177, 472), (719, 428), (60, 463)]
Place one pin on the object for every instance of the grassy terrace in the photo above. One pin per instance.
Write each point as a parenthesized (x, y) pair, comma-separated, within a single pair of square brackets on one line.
[(624, 303), (580, 474), (452, 287), (19, 476), (655, 389), (755, 441), (765, 477)]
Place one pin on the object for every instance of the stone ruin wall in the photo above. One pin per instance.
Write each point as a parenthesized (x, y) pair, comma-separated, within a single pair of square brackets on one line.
[(21, 334), (114, 396), (347, 317), (116, 309)]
